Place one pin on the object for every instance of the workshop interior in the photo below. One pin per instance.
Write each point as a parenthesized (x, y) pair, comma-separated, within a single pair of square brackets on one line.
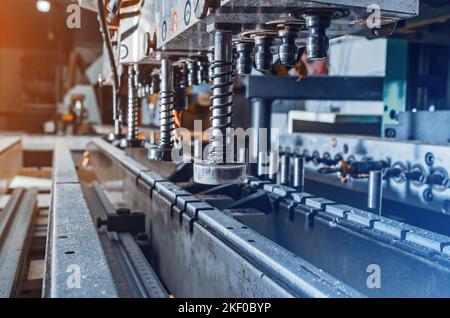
[(224, 149)]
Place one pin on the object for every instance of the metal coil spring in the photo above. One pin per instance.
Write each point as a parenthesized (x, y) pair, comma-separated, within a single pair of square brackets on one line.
[(167, 107), (133, 103), (223, 77), (132, 118), (133, 113)]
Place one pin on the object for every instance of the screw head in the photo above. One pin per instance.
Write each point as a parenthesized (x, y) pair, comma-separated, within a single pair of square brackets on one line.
[(158, 153), (390, 133), (429, 159), (428, 195)]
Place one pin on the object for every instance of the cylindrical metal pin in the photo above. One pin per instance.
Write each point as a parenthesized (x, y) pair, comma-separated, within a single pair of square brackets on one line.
[(274, 166), (375, 193), (261, 166), (299, 173)]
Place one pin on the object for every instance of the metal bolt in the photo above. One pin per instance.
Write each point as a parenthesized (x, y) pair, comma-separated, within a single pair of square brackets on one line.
[(181, 83), (429, 159), (192, 69), (202, 71), (155, 87), (438, 178), (285, 168), (299, 173), (133, 107), (375, 192), (263, 55), (416, 175), (163, 151), (317, 42), (287, 51)]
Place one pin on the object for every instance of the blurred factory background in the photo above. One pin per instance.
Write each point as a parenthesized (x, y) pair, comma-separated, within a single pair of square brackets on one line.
[(35, 52)]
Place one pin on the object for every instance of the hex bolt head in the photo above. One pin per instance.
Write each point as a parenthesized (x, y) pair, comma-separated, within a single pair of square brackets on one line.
[(157, 153), (244, 62)]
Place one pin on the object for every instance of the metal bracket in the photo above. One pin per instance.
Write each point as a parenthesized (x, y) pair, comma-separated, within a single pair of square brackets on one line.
[(123, 222)]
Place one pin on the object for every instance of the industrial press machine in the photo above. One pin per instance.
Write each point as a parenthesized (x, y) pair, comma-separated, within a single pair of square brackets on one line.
[(256, 214)]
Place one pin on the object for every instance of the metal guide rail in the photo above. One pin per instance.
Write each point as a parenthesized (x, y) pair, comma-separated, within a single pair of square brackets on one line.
[(332, 236), (131, 270), (15, 233), (76, 265)]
